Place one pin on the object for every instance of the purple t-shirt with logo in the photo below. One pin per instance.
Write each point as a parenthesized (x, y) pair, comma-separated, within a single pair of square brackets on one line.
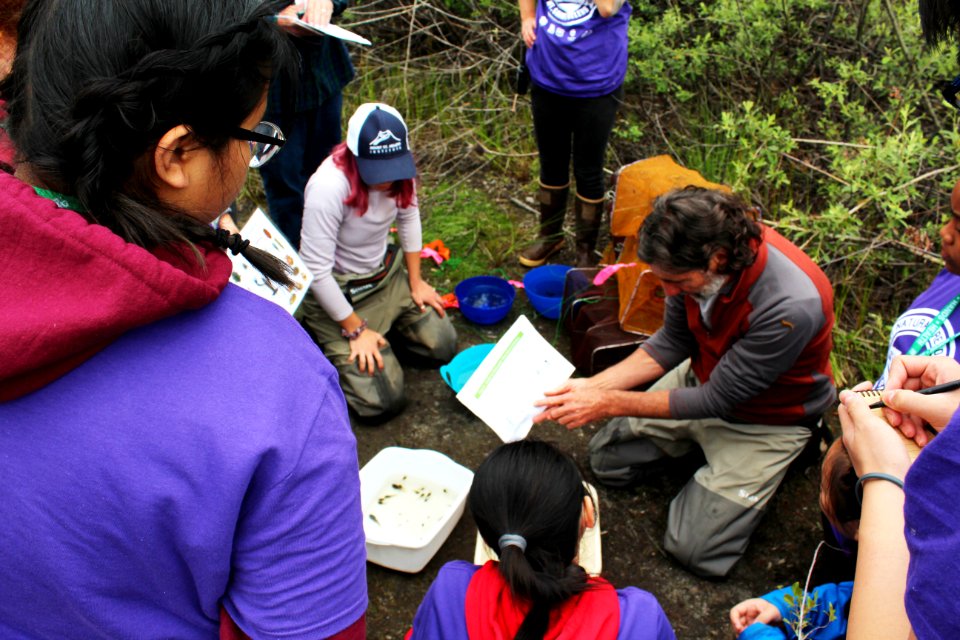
[(577, 52), (914, 320)]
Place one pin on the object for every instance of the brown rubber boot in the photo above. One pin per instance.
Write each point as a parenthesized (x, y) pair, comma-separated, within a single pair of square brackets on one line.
[(553, 208), (588, 214)]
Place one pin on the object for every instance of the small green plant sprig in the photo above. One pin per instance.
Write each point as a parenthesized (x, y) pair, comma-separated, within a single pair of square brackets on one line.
[(803, 606)]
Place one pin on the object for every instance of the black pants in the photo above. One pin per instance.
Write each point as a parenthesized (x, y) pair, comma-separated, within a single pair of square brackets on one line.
[(579, 127)]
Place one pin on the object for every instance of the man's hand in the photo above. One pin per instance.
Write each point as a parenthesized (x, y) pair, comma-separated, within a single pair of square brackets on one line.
[(909, 410), (753, 610), (365, 349), (574, 404)]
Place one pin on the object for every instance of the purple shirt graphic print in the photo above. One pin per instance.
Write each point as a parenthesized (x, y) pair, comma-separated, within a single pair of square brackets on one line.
[(915, 319), (578, 53)]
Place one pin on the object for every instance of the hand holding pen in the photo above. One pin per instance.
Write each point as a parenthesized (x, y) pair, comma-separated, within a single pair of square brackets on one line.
[(921, 389)]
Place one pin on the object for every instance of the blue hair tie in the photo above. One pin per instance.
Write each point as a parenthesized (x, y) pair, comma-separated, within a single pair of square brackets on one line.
[(512, 540)]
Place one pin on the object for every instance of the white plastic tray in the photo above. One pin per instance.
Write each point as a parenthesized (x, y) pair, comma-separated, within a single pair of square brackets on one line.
[(433, 491)]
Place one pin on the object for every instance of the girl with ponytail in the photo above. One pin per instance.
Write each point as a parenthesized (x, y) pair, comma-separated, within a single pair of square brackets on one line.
[(529, 502), (145, 495)]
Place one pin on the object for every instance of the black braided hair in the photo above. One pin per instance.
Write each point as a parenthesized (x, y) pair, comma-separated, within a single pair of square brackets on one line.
[(96, 84), (532, 489), (688, 226)]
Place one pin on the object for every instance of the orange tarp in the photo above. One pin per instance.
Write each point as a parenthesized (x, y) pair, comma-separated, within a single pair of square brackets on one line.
[(638, 185)]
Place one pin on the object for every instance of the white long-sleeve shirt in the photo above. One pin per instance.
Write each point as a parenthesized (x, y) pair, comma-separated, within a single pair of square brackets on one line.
[(337, 240)]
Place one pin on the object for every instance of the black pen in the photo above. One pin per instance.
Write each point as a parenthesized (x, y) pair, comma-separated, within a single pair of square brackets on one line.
[(938, 388)]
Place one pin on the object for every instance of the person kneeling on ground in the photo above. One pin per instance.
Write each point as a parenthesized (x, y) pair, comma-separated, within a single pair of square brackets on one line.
[(530, 503), (362, 288), (742, 371)]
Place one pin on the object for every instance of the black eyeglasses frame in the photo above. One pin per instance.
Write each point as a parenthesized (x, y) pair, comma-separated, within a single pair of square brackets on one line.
[(240, 133)]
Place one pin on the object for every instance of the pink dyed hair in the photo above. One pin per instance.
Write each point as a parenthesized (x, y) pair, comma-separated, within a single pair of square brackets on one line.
[(402, 191)]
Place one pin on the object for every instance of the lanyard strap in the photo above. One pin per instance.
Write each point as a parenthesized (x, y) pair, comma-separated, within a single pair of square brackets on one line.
[(932, 328), (940, 345), (61, 200)]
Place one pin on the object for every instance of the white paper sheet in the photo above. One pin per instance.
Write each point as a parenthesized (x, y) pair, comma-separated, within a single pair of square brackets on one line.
[(590, 556), (332, 30), (343, 34), (263, 234), (519, 370)]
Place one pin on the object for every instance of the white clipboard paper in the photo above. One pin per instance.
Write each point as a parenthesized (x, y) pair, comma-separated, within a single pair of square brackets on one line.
[(519, 370), (263, 234), (331, 30), (589, 555)]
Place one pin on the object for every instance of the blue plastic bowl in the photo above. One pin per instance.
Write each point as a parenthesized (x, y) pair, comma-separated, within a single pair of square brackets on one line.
[(485, 299), (544, 287)]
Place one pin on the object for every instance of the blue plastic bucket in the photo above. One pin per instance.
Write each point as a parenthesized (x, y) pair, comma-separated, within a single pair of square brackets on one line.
[(544, 287), (485, 299)]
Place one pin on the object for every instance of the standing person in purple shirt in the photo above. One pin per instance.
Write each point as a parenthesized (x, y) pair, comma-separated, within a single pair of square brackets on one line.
[(577, 59), (142, 496)]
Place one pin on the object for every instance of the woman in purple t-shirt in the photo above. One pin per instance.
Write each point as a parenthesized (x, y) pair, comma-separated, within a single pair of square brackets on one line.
[(906, 579), (577, 57), (164, 476), (531, 505)]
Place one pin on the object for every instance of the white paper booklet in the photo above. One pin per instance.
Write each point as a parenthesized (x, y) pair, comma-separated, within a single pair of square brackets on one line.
[(331, 29), (263, 234), (590, 557), (517, 372)]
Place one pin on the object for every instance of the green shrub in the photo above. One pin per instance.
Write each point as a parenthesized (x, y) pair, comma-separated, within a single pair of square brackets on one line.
[(822, 111)]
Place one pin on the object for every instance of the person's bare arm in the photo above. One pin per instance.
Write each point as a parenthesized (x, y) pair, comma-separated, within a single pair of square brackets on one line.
[(607, 8), (877, 610), (528, 21), (636, 369)]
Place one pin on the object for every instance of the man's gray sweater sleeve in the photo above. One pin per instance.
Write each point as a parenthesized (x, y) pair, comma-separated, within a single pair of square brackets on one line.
[(673, 342)]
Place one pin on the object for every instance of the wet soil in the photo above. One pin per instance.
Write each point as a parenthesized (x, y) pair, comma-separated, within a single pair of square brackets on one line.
[(633, 520)]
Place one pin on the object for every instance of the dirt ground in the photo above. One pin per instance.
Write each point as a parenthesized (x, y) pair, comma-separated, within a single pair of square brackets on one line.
[(633, 521)]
